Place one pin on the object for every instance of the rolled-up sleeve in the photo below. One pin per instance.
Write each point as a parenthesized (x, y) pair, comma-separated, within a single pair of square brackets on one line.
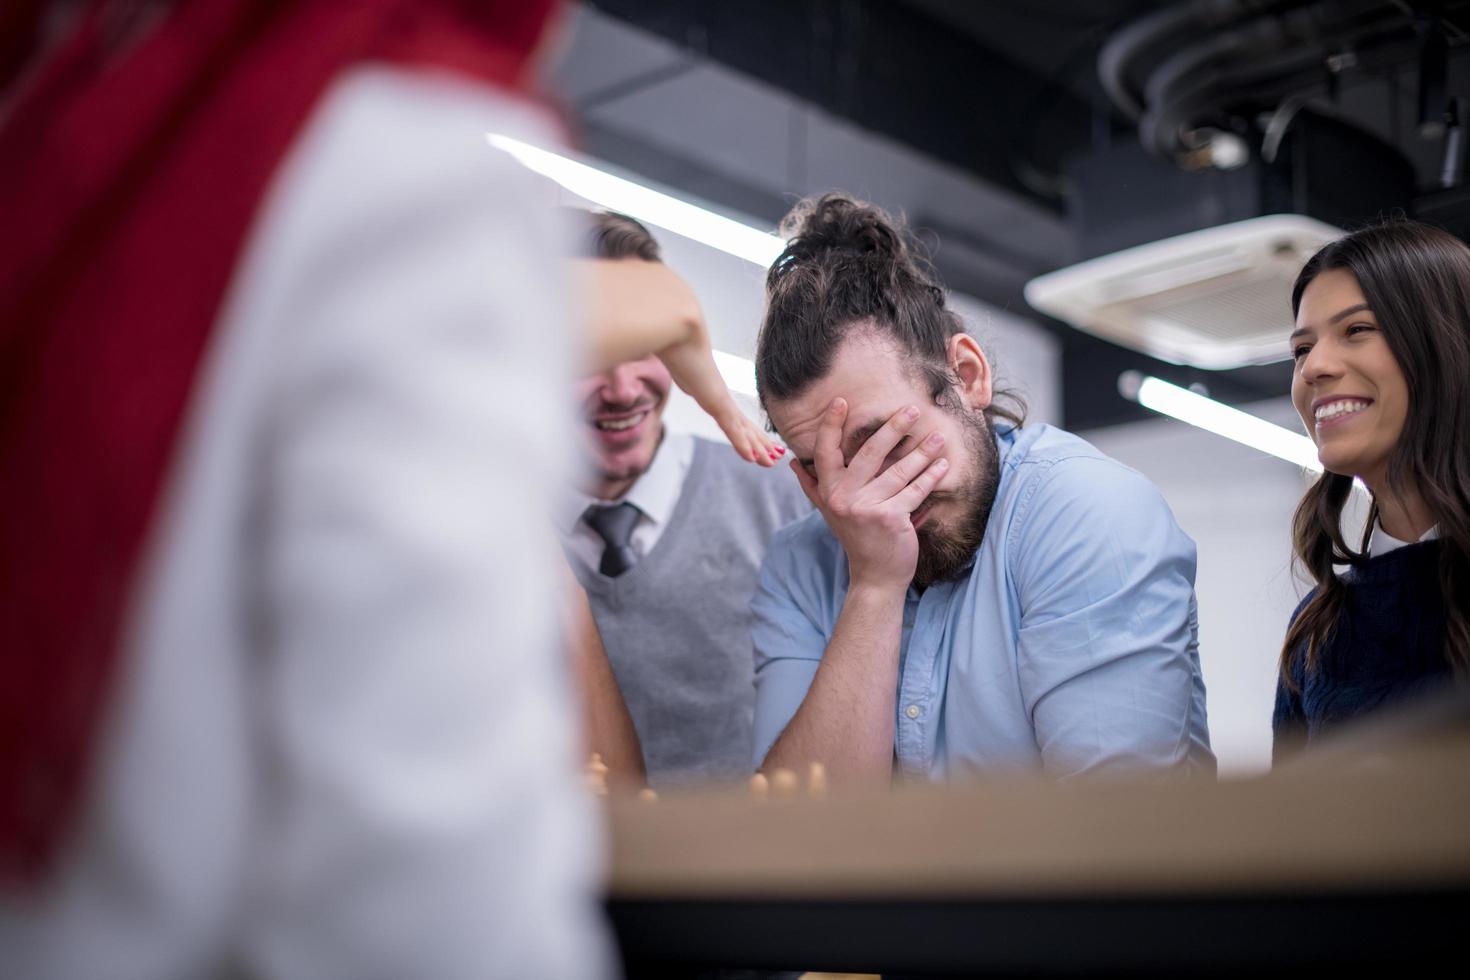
[(788, 644), (1108, 651)]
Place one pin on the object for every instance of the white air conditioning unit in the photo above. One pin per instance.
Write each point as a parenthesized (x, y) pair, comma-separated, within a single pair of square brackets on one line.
[(1218, 298)]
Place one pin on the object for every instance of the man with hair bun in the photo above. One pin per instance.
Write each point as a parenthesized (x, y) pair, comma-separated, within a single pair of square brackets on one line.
[(665, 533), (972, 595)]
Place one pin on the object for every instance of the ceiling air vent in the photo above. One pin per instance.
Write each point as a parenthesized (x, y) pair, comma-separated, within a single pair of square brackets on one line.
[(1217, 299)]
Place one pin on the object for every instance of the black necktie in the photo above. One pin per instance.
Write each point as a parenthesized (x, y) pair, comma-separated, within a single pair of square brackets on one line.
[(615, 526)]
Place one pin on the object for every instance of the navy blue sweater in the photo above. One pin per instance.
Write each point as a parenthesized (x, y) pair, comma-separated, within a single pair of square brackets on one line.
[(1388, 647)]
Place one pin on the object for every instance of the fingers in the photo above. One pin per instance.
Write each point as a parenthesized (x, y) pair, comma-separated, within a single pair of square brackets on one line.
[(868, 460), (827, 455), (808, 483), (740, 438), (762, 452), (901, 473), (749, 440), (747, 450), (767, 450), (910, 497)]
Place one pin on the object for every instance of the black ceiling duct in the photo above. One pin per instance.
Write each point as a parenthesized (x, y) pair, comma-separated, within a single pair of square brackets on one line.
[(1235, 107), (1209, 65), (1322, 168)]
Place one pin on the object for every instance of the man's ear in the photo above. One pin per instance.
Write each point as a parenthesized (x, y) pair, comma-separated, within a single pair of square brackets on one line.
[(969, 364)]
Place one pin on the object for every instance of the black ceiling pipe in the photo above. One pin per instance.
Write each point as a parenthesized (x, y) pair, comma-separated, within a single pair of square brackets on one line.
[(1161, 129), (1179, 102), (1175, 72), (1434, 56), (1327, 21), (1119, 58)]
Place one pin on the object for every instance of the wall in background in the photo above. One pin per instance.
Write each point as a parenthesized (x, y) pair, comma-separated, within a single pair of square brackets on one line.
[(1237, 504)]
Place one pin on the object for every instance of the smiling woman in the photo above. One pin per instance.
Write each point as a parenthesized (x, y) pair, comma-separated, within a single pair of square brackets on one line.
[(1349, 389), (1382, 352)]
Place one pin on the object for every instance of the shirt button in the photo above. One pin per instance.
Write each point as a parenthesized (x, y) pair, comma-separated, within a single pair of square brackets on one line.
[(912, 711)]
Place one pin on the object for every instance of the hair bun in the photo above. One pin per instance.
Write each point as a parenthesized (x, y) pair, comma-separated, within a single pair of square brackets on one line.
[(838, 223)]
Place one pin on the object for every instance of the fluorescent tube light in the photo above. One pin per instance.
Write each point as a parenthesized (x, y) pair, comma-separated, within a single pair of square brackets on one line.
[(1221, 419), (656, 208), (645, 204)]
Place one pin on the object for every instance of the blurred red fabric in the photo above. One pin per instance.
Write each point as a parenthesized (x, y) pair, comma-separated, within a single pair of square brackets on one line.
[(132, 166)]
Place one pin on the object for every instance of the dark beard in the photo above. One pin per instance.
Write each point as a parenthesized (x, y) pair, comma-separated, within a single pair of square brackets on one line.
[(945, 551)]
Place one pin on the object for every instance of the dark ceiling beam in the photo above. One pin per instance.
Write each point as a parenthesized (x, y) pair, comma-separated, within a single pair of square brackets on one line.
[(667, 166), (887, 67), (970, 265)]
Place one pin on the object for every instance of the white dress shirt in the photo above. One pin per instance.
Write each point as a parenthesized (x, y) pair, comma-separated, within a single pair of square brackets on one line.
[(655, 494)]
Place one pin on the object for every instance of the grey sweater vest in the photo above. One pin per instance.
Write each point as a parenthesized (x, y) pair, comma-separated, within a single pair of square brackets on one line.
[(677, 625)]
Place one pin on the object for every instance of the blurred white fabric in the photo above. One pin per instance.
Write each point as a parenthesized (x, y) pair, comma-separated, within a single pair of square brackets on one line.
[(343, 745)]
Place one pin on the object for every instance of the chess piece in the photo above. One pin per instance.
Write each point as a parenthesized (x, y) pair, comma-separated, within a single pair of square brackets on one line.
[(648, 795), (760, 786), (596, 777), (816, 781), (784, 783)]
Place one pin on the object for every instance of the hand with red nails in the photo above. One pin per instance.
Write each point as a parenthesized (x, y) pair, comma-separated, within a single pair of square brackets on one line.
[(868, 502), (692, 366), (746, 436)]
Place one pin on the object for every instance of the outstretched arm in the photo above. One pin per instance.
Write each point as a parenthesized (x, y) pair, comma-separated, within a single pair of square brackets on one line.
[(637, 308)]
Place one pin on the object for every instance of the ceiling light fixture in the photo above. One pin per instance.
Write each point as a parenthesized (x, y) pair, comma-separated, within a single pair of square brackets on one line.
[(1219, 418), (647, 205), (1215, 299)]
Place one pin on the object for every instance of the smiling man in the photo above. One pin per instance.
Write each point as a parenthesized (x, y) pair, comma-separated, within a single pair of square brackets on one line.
[(972, 595), (666, 537)]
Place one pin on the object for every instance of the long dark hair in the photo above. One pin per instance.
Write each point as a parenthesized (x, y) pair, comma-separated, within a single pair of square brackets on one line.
[(848, 264), (1416, 280)]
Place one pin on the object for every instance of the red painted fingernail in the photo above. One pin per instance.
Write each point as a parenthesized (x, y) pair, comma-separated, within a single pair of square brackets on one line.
[(775, 455), (781, 450)]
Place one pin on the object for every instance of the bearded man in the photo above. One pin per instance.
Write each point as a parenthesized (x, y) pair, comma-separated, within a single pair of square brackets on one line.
[(972, 595)]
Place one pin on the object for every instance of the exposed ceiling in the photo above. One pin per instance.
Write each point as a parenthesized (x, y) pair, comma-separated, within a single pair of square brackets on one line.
[(965, 116)]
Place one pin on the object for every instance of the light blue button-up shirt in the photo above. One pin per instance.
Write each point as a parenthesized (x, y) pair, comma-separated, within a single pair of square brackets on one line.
[(1070, 647)]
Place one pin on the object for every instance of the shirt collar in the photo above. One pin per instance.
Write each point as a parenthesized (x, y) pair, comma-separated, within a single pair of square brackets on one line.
[(1381, 543)]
